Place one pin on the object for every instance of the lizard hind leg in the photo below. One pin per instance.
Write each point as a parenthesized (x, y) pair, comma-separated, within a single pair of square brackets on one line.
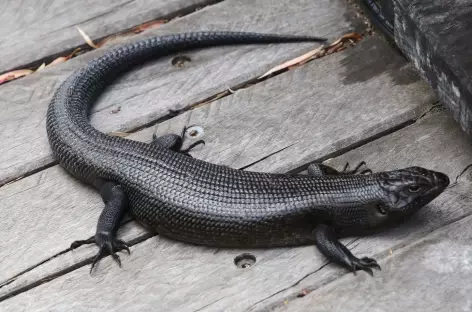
[(116, 204)]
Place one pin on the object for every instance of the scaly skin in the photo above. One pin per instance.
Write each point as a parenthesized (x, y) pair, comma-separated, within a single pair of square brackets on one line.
[(202, 203)]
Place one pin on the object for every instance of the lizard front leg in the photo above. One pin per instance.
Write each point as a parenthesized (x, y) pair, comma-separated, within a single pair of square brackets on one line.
[(334, 250), (174, 142)]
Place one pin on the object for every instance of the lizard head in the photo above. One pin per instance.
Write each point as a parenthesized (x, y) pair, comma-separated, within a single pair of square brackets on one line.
[(405, 191)]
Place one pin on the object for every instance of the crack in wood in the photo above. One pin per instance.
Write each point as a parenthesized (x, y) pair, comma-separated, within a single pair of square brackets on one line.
[(174, 113), (29, 173), (84, 48), (57, 274), (265, 157), (210, 304), (433, 109), (295, 296), (461, 174), (381, 256)]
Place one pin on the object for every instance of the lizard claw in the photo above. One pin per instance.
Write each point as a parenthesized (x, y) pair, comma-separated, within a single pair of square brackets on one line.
[(79, 243), (366, 264), (356, 169), (106, 243), (188, 149)]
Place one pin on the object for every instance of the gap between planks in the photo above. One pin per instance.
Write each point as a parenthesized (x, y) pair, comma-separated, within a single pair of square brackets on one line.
[(456, 189), (438, 124), (183, 10), (418, 285), (231, 90), (210, 72)]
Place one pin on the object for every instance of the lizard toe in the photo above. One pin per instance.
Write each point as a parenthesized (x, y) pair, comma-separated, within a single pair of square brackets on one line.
[(365, 264), (107, 243), (78, 243), (370, 262)]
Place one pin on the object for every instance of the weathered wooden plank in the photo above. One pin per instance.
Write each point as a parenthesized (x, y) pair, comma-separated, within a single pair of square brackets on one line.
[(166, 275), (319, 111), (433, 274), (416, 147), (435, 35), (288, 83), (33, 30), (148, 92)]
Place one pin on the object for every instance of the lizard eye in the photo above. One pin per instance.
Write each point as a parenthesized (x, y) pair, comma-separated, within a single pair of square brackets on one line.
[(414, 188)]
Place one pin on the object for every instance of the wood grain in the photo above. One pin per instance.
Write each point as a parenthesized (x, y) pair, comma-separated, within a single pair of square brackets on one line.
[(417, 147), (434, 142), (432, 274), (33, 30), (166, 275), (284, 89), (182, 262), (310, 112), (148, 92)]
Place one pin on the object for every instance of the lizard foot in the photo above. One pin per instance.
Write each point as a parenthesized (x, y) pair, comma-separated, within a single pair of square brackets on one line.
[(191, 146), (188, 149), (357, 169), (334, 250), (174, 142), (365, 264), (106, 243)]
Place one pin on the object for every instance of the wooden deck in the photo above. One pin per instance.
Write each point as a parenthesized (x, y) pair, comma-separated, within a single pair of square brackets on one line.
[(363, 103)]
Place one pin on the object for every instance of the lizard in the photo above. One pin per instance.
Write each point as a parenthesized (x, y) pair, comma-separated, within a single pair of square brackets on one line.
[(198, 202)]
